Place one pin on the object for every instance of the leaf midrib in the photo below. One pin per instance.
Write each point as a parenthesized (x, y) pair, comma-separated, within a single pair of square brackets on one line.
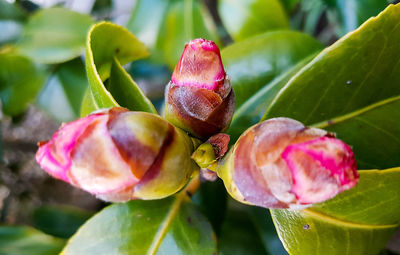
[(356, 113), (340, 222), (162, 231)]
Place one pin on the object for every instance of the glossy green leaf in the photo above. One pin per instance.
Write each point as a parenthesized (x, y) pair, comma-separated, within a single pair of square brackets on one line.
[(63, 93), (358, 221), (60, 221), (126, 91), (55, 35), (254, 108), (27, 241), (244, 19), (264, 225), (352, 88), (167, 226), (239, 235), (20, 81), (254, 62), (354, 12), (108, 47), (9, 11), (211, 199), (11, 21), (166, 25)]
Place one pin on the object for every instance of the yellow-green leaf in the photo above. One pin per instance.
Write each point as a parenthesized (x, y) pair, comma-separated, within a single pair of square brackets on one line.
[(108, 47), (358, 221)]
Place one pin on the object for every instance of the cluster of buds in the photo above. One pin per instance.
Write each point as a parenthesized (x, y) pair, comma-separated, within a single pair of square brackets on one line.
[(199, 98), (119, 155), (280, 163)]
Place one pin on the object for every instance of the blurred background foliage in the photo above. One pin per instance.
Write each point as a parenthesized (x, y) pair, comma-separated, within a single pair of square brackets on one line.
[(43, 81)]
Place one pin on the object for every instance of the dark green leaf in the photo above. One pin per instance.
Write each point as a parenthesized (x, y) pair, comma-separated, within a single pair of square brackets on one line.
[(239, 236), (20, 81), (55, 35), (168, 226), (354, 12), (27, 241), (254, 108), (166, 25), (264, 225), (358, 221), (9, 11), (352, 88), (63, 94), (109, 46), (254, 62), (11, 21), (126, 91), (211, 198), (60, 221), (243, 19)]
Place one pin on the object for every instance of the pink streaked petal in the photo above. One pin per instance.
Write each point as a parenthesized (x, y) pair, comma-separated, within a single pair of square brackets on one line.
[(321, 168), (199, 66), (97, 166), (54, 155)]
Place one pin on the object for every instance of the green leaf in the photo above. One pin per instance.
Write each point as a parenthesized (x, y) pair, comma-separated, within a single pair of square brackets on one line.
[(211, 198), (108, 47), (167, 226), (54, 35), (358, 221), (11, 21), (244, 19), (254, 108), (352, 88), (61, 221), (126, 91), (166, 25), (354, 12), (254, 62), (239, 236), (20, 81), (264, 225), (9, 11), (63, 93), (27, 241)]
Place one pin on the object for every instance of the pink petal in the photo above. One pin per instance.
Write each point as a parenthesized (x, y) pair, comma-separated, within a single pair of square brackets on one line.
[(321, 168), (199, 66)]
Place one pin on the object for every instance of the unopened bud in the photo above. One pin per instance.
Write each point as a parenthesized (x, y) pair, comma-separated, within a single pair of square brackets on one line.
[(280, 163), (200, 98), (119, 155)]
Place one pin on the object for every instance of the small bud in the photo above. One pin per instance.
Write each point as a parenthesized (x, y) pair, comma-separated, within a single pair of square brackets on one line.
[(119, 155), (200, 98), (280, 163)]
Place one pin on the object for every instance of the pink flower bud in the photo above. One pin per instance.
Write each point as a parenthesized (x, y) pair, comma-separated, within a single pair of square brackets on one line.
[(119, 155), (280, 163), (199, 98)]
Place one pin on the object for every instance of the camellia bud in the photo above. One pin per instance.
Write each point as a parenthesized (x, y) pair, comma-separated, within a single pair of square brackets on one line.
[(119, 155), (199, 98), (280, 163)]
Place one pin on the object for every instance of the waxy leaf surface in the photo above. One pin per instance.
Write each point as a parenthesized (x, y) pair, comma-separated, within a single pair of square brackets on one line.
[(244, 19), (27, 241), (108, 47), (55, 35), (20, 81), (168, 226), (253, 63), (358, 221), (62, 95), (352, 88)]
